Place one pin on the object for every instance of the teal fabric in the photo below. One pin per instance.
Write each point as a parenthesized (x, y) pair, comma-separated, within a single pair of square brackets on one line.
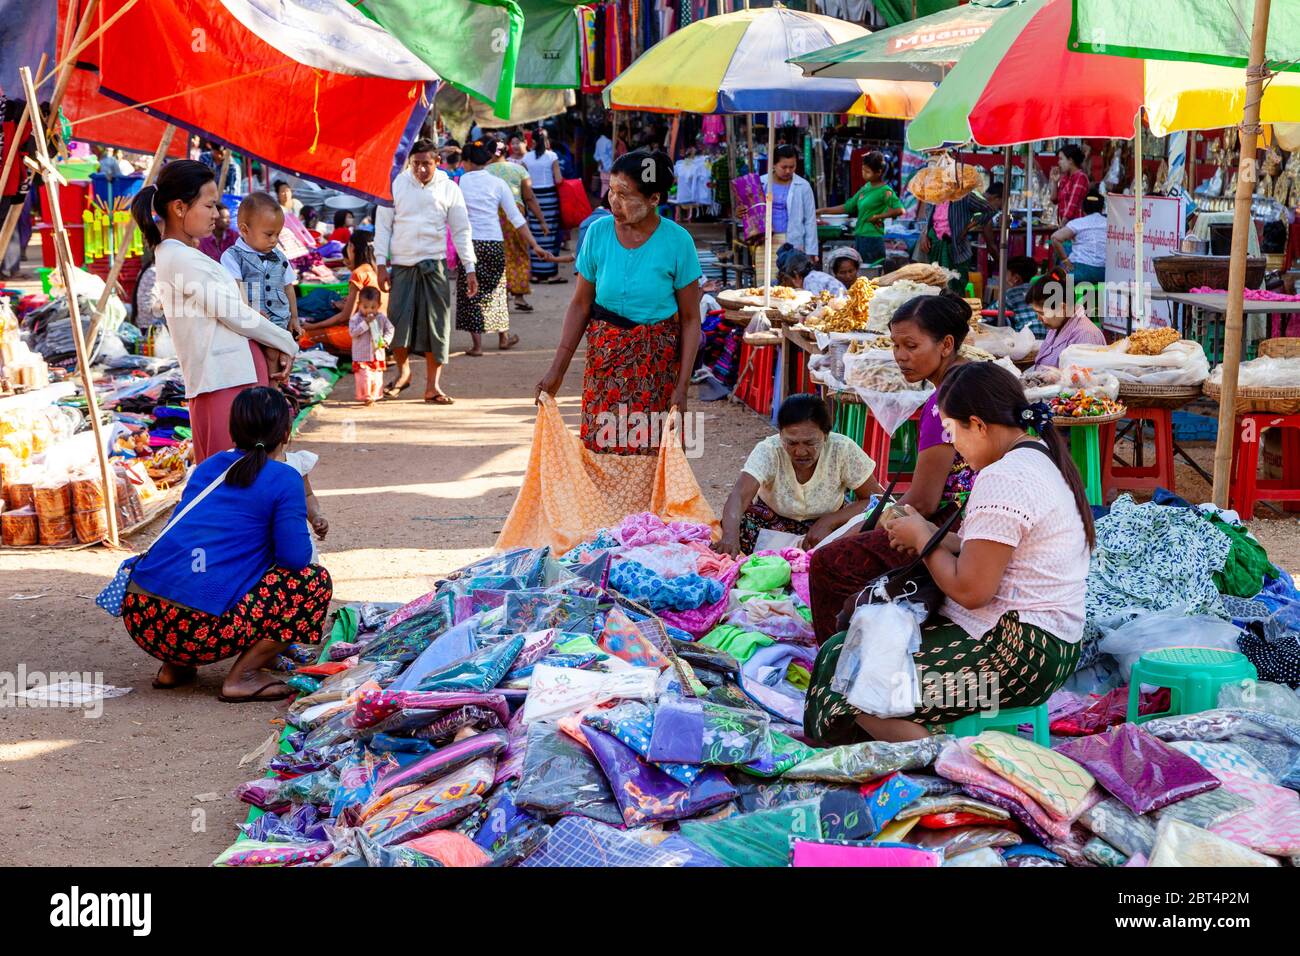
[(639, 284)]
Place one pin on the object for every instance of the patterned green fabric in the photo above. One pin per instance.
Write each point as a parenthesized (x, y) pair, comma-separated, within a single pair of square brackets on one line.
[(1057, 783)]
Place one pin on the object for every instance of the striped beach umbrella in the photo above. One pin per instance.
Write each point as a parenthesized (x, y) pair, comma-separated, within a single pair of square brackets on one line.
[(736, 63)]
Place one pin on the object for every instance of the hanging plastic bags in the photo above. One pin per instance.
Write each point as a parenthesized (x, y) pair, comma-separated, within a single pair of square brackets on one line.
[(876, 672)]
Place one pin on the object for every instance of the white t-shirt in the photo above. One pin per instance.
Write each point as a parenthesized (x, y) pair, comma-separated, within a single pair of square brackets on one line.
[(541, 169), (485, 196), (841, 467), (1088, 247), (1023, 501), (303, 462)]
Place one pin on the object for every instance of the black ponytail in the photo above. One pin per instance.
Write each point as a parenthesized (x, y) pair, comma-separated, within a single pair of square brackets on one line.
[(260, 419), (989, 392), (541, 142), (180, 179)]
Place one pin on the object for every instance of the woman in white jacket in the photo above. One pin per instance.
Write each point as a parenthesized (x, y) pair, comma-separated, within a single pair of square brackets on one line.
[(218, 337)]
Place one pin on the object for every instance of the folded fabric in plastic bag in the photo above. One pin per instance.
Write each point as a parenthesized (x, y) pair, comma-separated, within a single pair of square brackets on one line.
[(766, 796), (1271, 824), (786, 752), (1181, 844), (502, 819), (442, 761), (697, 732), (623, 639), (560, 776), (256, 853), (576, 841), (843, 816), (856, 763), (1142, 771), (480, 671), (957, 840), (756, 839), (420, 818), (449, 848), (530, 611), (1103, 854), (765, 679), (473, 779), (556, 692), (952, 803), (1056, 782), (373, 707), (644, 793), (1215, 757), (632, 722), (405, 642), (1206, 809), (1120, 827), (815, 853)]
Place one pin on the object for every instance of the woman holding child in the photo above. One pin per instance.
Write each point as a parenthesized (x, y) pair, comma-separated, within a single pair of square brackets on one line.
[(218, 337)]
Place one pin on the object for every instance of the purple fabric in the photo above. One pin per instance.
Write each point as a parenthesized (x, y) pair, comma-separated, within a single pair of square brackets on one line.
[(678, 732), (699, 621), (376, 706), (930, 429), (645, 794), (1145, 773), (444, 760), (1015, 808)]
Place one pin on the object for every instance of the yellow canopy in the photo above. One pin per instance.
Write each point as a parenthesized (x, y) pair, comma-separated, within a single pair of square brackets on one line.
[(1185, 96)]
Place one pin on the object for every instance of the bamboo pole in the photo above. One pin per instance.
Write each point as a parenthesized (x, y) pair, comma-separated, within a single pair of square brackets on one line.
[(74, 312), (1241, 223), (1139, 287), (1004, 234), (128, 234), (767, 215)]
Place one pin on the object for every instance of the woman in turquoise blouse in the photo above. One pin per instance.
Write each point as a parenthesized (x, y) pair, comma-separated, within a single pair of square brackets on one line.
[(637, 299)]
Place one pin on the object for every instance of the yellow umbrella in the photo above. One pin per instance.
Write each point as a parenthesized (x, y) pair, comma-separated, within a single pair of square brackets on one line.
[(736, 63), (1186, 96)]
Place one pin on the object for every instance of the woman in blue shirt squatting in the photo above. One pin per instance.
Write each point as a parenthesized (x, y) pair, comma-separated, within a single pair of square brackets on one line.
[(233, 577)]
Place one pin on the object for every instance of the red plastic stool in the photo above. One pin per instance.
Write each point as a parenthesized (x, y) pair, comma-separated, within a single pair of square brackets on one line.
[(757, 377), (1247, 487), (1116, 478), (875, 443)]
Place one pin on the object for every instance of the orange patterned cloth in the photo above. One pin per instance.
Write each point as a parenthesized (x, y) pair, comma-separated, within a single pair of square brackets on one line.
[(570, 492)]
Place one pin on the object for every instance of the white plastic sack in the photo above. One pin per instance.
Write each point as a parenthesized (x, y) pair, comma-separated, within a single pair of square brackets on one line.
[(1182, 363), (561, 691), (1172, 627), (1003, 342), (1264, 372), (876, 672)]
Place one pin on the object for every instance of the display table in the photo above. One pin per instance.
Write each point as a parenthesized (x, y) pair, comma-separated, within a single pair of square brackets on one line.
[(1188, 304)]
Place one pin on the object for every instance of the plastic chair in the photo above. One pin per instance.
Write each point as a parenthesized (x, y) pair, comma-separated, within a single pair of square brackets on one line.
[(1007, 719), (1247, 487), (1116, 478), (757, 377), (876, 442), (1193, 676)]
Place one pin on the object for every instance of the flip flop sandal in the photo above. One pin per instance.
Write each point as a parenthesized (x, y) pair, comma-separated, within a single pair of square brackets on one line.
[(393, 391), (523, 307), (478, 354), (189, 678), (439, 399), (257, 696), (509, 344)]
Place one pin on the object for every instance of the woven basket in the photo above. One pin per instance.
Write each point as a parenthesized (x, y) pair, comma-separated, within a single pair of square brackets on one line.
[(1182, 273), (1069, 421), (1280, 348), (1158, 396), (1278, 401)]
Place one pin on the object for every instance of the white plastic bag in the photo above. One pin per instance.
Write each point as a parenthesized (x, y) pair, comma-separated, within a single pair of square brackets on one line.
[(1172, 627), (876, 673), (1181, 363)]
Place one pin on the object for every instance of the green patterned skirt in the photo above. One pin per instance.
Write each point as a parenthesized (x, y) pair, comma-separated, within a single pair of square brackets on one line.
[(1019, 664)]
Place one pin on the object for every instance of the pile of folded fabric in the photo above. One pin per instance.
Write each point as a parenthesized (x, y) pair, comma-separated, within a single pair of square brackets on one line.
[(639, 702)]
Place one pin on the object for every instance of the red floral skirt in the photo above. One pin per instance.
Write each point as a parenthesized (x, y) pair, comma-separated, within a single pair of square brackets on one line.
[(628, 385), (288, 606)]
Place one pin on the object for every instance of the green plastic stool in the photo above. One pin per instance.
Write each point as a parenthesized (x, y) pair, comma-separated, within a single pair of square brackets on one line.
[(1193, 676), (1085, 449), (1006, 719)]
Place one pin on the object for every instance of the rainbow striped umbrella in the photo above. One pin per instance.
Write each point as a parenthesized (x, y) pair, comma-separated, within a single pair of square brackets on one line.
[(736, 63)]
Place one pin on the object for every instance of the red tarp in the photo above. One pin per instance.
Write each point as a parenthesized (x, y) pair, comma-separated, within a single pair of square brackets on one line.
[(129, 129), (234, 88)]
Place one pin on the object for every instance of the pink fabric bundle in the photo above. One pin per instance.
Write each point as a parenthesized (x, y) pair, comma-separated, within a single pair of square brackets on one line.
[(649, 528), (810, 853), (1251, 295), (1271, 826), (956, 764)]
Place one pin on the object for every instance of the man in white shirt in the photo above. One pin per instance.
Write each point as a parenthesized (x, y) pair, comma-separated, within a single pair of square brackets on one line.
[(604, 156), (411, 237)]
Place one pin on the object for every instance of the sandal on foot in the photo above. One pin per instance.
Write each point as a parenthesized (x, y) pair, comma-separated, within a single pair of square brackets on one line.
[(439, 399), (477, 354), (508, 344), (392, 391), (258, 695), (523, 307)]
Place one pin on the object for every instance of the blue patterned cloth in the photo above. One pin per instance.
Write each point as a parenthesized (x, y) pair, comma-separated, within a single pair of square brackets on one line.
[(633, 723), (684, 593)]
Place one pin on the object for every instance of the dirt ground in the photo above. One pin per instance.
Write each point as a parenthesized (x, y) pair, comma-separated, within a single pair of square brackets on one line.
[(411, 491)]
